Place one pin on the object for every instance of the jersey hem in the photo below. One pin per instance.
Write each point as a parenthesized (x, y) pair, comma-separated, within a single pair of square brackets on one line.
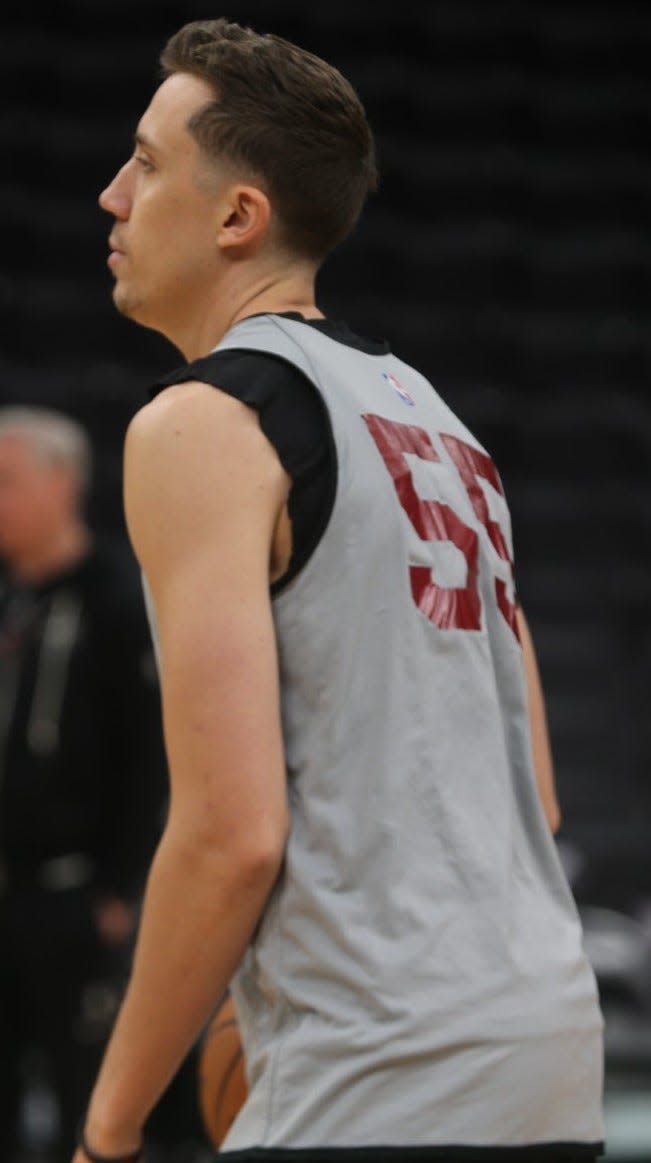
[(451, 1153)]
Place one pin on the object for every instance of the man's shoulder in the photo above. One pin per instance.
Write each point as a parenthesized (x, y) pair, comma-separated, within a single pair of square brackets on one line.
[(187, 426), (189, 402), (196, 461)]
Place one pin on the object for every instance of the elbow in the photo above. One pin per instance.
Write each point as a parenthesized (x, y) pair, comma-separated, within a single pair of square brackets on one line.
[(232, 845), (244, 859), (256, 859)]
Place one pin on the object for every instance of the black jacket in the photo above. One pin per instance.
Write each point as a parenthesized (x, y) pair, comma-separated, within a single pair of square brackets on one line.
[(82, 762)]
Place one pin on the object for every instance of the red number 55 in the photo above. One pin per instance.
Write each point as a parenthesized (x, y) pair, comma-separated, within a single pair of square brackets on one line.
[(447, 607)]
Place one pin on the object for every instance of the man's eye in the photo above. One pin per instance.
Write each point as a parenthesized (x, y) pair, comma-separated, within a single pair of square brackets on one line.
[(143, 162)]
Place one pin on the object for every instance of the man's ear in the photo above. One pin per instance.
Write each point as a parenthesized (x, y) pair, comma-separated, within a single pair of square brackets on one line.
[(245, 218)]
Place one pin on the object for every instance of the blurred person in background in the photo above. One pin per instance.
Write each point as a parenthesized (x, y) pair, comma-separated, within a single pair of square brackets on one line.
[(82, 768)]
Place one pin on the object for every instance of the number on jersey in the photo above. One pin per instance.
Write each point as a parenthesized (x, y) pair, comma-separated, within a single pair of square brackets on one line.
[(447, 607)]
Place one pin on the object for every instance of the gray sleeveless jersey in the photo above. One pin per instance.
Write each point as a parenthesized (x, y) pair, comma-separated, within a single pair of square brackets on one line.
[(418, 975)]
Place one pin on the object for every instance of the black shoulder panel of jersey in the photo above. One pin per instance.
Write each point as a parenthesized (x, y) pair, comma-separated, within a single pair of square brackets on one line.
[(293, 417)]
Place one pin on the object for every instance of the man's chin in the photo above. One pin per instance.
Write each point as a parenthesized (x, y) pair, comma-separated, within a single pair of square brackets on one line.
[(121, 301), (135, 311), (127, 306)]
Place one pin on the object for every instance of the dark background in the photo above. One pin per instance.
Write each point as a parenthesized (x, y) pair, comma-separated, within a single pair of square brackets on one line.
[(507, 254)]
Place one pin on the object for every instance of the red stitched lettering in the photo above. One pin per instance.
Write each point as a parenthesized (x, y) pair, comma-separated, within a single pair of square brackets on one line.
[(447, 608), (471, 463)]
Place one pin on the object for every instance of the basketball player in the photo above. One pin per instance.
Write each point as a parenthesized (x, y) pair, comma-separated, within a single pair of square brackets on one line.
[(355, 840)]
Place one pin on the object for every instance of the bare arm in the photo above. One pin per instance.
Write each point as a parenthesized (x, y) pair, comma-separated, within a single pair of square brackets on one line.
[(203, 490), (542, 754)]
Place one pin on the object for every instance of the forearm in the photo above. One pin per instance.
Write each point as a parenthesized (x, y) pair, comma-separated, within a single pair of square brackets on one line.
[(199, 912)]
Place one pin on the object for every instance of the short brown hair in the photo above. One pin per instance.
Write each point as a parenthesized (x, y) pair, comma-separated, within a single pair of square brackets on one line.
[(286, 117)]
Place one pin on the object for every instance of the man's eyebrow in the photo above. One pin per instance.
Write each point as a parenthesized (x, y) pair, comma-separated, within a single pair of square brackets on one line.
[(141, 138)]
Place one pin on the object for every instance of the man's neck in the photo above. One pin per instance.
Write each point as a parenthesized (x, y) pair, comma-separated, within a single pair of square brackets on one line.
[(290, 290)]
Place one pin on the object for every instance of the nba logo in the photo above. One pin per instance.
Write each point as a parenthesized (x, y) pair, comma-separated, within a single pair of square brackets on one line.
[(398, 388)]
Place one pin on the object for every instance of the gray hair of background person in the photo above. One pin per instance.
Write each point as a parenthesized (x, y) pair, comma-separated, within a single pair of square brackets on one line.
[(55, 437)]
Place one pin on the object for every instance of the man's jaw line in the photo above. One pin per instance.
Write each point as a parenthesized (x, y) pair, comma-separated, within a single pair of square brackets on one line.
[(271, 292)]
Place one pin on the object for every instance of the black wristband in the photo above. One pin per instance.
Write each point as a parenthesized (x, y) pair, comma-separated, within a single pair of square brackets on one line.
[(94, 1157)]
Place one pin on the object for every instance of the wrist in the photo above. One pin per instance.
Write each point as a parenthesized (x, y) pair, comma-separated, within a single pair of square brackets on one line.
[(91, 1150)]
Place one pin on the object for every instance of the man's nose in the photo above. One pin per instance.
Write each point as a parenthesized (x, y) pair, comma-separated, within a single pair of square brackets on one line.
[(115, 198)]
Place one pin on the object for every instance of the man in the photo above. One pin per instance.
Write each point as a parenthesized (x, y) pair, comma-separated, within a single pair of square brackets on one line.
[(82, 769), (355, 840)]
